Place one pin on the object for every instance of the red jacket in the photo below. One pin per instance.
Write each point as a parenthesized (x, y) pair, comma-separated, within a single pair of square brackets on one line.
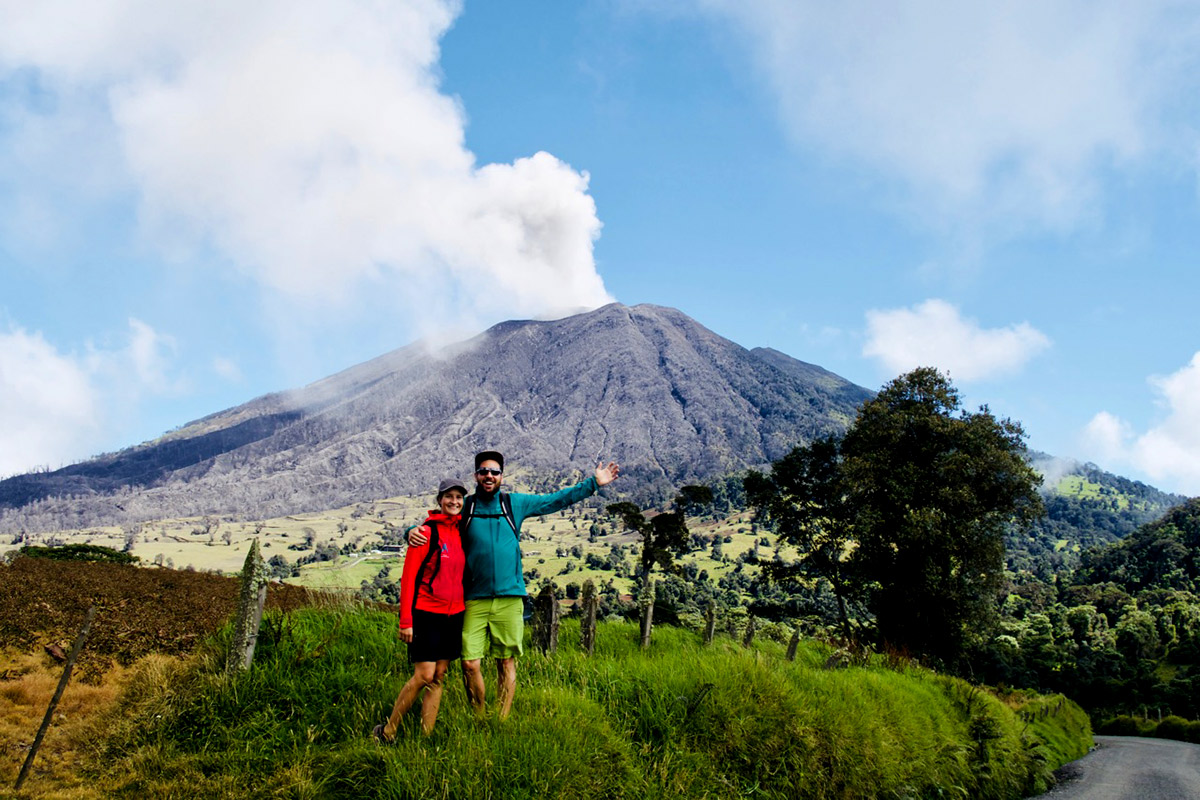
[(440, 589)]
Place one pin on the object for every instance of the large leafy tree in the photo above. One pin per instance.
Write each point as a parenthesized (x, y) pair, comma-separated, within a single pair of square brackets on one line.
[(804, 499), (908, 512)]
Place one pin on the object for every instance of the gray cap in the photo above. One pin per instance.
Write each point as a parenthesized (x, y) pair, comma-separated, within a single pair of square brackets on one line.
[(450, 483)]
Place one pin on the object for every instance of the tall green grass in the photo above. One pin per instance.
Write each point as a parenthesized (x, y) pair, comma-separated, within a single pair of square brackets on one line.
[(679, 720)]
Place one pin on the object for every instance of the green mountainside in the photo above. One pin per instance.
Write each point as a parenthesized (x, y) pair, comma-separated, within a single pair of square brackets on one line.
[(1086, 507), (1120, 633)]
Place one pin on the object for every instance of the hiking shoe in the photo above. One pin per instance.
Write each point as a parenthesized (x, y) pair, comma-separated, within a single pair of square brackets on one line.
[(377, 732)]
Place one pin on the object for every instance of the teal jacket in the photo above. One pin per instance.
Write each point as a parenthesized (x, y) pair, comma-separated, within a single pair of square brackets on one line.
[(493, 552)]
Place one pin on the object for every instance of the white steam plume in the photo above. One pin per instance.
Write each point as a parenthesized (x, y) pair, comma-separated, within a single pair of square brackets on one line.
[(307, 143)]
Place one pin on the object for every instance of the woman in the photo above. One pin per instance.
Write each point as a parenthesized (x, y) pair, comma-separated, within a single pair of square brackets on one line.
[(431, 609)]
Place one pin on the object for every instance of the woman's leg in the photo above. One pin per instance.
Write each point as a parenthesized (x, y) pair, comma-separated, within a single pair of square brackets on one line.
[(433, 698), (423, 672)]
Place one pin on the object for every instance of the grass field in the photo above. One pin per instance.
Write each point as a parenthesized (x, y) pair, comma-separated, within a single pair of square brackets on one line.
[(219, 544), (679, 721), (1081, 487), (150, 714)]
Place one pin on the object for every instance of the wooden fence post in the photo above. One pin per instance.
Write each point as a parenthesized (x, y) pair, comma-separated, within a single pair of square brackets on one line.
[(710, 623), (251, 600), (545, 620), (748, 639), (647, 612), (587, 624), (793, 644), (62, 685)]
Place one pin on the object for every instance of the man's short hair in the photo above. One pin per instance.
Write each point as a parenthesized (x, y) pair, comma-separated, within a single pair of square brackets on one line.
[(489, 455)]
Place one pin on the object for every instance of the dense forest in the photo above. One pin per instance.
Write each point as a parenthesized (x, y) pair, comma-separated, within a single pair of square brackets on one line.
[(1085, 508), (1120, 633)]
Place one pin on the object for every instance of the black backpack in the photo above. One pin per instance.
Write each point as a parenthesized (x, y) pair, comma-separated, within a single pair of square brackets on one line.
[(433, 551), (468, 512)]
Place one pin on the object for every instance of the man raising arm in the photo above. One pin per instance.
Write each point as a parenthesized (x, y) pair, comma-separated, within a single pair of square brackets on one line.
[(495, 582)]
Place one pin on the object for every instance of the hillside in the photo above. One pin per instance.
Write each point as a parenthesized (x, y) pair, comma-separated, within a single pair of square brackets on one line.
[(1086, 507), (669, 399), (681, 719), (1120, 633)]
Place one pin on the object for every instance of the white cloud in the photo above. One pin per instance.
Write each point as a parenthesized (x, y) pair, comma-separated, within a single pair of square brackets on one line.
[(309, 144), (47, 404), (1169, 451), (935, 334), (1000, 113), (150, 354), (55, 407), (228, 369)]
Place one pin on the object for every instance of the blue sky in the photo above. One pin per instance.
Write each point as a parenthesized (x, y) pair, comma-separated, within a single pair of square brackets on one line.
[(204, 202)]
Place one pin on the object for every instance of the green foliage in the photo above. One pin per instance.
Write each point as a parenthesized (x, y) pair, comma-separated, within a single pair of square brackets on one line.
[(1164, 554), (1084, 510), (665, 535), (677, 720), (79, 552), (908, 512), (1121, 634), (806, 501), (1171, 727)]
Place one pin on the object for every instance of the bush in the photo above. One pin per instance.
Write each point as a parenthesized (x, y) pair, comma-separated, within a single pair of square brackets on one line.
[(79, 552)]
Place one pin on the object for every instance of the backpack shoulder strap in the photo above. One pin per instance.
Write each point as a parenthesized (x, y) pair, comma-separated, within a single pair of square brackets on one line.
[(506, 510), (430, 554)]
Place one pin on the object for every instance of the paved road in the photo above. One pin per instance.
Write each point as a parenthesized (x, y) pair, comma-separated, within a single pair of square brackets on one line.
[(1132, 768)]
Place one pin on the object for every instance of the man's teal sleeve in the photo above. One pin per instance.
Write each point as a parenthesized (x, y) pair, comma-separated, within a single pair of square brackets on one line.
[(535, 505)]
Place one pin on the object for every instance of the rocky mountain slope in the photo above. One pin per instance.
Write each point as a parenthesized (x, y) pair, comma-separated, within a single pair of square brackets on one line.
[(646, 385)]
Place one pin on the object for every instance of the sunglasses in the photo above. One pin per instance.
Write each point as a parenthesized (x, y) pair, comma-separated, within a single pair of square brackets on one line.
[(487, 471)]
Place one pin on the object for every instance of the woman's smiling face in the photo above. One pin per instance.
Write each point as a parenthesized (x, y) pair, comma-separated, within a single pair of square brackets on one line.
[(451, 502)]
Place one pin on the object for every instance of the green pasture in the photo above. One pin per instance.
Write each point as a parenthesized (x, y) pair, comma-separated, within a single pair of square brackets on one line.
[(680, 720)]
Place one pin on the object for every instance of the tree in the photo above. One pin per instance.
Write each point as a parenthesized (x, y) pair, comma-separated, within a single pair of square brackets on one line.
[(934, 489), (908, 512), (806, 502), (664, 536)]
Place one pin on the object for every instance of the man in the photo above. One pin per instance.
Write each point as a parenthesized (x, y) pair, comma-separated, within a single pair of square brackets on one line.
[(495, 581)]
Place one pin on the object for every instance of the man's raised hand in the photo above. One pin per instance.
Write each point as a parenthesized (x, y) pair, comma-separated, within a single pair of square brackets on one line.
[(607, 474)]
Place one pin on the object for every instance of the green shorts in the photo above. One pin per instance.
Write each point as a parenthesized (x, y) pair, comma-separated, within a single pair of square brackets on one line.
[(493, 626)]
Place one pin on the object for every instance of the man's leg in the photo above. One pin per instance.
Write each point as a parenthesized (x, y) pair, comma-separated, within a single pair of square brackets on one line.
[(506, 674), (474, 648), (473, 683), (508, 630)]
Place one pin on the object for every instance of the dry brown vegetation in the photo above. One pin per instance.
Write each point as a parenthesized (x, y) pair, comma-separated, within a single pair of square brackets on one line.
[(140, 612)]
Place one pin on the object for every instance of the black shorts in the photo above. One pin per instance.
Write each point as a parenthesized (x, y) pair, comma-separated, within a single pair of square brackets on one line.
[(436, 637)]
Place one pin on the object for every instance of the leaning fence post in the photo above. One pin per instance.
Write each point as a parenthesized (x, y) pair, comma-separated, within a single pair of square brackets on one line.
[(793, 644), (710, 623), (647, 599), (249, 612), (587, 625), (748, 639), (62, 685), (545, 624)]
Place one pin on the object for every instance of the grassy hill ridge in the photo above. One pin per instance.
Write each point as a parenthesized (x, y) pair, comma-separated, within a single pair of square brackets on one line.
[(680, 720)]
